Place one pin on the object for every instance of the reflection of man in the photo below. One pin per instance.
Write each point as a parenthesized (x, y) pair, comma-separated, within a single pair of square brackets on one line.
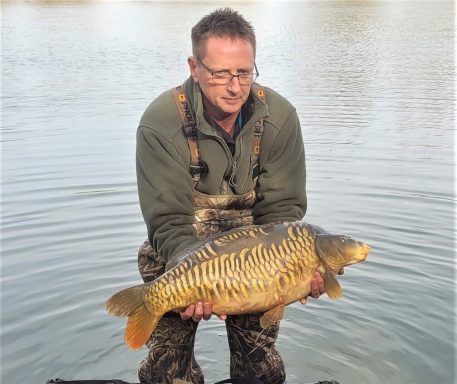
[(218, 153)]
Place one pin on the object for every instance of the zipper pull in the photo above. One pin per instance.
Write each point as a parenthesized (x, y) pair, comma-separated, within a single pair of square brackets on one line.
[(232, 175)]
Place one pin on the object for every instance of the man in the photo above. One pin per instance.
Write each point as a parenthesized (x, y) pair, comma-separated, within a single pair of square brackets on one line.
[(218, 153)]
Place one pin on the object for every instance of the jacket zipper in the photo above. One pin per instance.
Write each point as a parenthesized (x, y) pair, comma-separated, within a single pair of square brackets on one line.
[(235, 168)]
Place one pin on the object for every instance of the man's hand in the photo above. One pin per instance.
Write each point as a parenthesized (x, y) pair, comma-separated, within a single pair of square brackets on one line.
[(199, 311), (317, 286)]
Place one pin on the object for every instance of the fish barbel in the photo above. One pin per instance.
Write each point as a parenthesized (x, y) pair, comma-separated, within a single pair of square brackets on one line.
[(257, 268)]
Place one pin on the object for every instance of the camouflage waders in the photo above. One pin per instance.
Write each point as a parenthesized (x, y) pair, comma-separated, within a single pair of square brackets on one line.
[(171, 357)]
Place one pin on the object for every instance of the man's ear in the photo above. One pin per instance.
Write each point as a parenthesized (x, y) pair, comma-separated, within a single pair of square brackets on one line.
[(193, 67)]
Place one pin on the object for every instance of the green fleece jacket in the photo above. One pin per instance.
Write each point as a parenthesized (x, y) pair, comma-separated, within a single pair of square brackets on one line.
[(163, 159)]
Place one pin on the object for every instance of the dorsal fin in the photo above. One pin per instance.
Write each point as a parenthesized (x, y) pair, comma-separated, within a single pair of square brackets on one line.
[(243, 233)]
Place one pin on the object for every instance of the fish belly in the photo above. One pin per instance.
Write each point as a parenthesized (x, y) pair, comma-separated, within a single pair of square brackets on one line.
[(261, 301)]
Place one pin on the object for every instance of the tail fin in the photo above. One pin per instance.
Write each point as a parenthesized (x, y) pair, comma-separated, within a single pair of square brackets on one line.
[(141, 322), (125, 302), (140, 327)]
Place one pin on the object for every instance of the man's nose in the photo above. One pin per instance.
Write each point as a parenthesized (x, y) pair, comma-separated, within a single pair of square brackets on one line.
[(234, 84)]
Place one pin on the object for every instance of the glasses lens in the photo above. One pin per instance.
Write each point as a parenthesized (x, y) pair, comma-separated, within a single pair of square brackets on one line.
[(244, 79), (221, 77)]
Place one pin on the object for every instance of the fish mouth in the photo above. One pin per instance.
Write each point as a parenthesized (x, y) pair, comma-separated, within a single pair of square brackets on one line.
[(364, 250), (360, 254)]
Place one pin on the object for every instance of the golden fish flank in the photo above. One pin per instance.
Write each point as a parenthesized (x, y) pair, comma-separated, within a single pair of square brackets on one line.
[(259, 268)]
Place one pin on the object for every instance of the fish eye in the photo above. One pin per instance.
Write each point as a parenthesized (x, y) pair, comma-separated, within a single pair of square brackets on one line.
[(343, 239)]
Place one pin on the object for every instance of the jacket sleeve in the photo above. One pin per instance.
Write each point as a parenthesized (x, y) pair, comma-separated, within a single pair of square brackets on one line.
[(281, 188), (165, 193)]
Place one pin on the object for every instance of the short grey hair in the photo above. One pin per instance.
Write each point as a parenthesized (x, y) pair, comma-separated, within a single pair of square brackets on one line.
[(222, 23)]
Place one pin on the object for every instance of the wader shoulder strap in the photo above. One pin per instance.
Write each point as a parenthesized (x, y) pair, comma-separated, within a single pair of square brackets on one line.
[(190, 130), (257, 136)]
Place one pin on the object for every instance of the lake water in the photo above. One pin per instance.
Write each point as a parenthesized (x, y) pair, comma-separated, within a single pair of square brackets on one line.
[(373, 83)]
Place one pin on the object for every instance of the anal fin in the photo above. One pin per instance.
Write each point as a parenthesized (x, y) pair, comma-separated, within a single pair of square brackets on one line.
[(273, 316)]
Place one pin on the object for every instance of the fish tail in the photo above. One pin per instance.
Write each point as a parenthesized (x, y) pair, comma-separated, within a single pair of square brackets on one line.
[(140, 326), (141, 321)]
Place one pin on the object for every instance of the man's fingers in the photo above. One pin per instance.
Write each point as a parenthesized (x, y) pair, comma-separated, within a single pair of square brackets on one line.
[(207, 311), (198, 313), (317, 285), (320, 283), (188, 312), (315, 291)]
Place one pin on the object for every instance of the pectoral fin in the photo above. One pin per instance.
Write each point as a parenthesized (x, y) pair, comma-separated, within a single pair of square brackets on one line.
[(272, 317), (332, 286)]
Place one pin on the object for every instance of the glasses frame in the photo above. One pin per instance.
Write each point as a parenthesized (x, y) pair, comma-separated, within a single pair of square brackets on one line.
[(255, 74)]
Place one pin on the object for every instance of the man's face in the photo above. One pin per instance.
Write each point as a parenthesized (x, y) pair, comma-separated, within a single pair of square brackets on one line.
[(223, 54)]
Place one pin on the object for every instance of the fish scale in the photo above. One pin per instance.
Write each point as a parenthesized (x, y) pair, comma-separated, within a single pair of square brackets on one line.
[(260, 268)]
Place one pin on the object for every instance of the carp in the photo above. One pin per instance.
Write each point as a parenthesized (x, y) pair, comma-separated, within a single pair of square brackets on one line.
[(257, 268)]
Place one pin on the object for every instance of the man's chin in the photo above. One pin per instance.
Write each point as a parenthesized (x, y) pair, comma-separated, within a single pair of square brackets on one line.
[(230, 108)]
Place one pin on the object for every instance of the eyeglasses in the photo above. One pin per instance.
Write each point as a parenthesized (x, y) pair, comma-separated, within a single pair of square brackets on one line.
[(225, 77)]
